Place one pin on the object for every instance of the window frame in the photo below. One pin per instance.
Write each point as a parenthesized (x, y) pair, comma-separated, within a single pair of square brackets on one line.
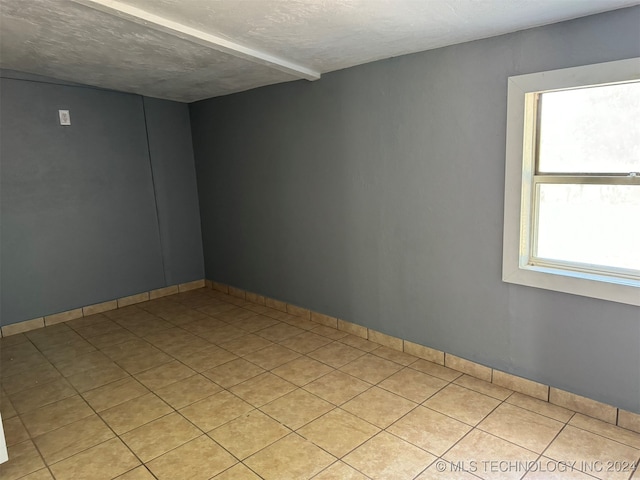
[(520, 179)]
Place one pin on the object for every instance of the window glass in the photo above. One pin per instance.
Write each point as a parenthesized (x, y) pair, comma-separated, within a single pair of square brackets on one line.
[(590, 224), (590, 130)]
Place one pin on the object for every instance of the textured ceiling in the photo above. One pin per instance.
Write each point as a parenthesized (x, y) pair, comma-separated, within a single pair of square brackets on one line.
[(188, 50)]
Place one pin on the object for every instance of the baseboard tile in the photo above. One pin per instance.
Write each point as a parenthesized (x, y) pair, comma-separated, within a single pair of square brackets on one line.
[(99, 308), (88, 310), (22, 327), (299, 311), (571, 401), (426, 353), (62, 317), (385, 340), (546, 393), (164, 292), (353, 329), (185, 287)]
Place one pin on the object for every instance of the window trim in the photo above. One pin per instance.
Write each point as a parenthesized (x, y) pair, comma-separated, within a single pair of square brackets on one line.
[(519, 174)]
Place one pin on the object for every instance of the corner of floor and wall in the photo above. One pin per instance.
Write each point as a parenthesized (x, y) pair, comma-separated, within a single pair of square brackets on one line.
[(374, 195)]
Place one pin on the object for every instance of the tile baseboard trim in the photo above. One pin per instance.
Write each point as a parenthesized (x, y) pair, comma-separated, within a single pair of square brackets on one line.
[(592, 408), (88, 310)]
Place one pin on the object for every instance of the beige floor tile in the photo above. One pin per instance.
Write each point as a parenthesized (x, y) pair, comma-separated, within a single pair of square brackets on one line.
[(138, 473), (97, 377), (249, 433), (23, 459), (14, 431), (56, 415), (607, 430), (436, 370), (89, 319), (233, 372), (134, 413), (216, 308), (33, 398), (548, 469), (112, 338), (237, 472), (256, 323), (337, 387), (483, 387), (379, 407), (386, 457), (338, 432), (200, 459), (329, 332), (144, 361), (73, 438), (163, 375), (272, 356), (33, 378), (15, 366), (482, 454), (43, 474), (19, 351), (187, 391), (336, 354), (522, 427), (443, 470), (371, 369), (592, 452), (114, 394), (98, 328), (291, 458), (159, 436), (81, 363), (262, 389), (414, 385), (6, 407), (339, 471), (395, 356), (207, 358), (246, 344), (13, 340), (538, 406), (215, 410), (135, 346), (359, 343), (302, 370), (222, 334), (429, 430), (174, 337), (462, 404), (279, 332), (102, 462), (297, 408), (305, 342)]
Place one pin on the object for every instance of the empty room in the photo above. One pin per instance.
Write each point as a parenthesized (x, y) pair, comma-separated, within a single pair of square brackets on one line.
[(319, 239)]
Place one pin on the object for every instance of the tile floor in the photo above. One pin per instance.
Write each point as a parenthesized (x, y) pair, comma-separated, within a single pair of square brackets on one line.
[(201, 385)]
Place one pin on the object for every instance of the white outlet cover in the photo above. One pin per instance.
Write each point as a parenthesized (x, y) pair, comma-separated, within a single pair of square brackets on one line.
[(65, 117)]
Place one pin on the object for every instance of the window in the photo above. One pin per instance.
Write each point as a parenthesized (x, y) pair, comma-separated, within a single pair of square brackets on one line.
[(572, 185)]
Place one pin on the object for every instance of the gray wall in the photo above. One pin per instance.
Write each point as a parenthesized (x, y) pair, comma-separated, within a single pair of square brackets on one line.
[(376, 195), (87, 215)]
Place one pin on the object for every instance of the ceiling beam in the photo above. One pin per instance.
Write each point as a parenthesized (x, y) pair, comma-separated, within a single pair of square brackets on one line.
[(215, 42)]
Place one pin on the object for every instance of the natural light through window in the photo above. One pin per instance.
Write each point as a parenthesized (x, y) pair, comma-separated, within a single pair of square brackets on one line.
[(572, 193), (588, 150)]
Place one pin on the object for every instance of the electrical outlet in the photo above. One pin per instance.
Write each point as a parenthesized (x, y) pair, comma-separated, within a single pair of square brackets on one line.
[(65, 117)]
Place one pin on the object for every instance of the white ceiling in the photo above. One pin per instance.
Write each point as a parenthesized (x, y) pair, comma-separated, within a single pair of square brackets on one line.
[(187, 50)]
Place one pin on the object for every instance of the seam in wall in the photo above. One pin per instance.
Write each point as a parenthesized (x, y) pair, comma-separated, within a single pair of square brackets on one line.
[(155, 192)]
